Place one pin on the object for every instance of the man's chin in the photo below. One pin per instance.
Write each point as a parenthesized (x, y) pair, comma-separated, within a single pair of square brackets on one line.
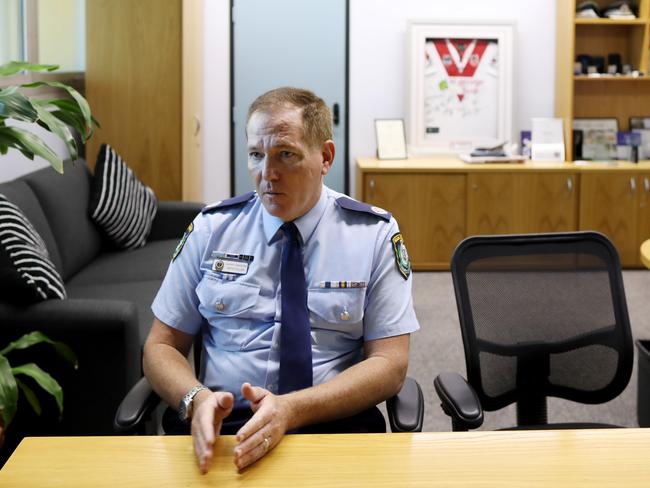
[(274, 208)]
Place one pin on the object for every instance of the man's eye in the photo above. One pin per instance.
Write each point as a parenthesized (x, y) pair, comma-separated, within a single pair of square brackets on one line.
[(254, 155), (287, 155)]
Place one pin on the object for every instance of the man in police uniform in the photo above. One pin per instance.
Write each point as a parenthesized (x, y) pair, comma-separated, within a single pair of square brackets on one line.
[(224, 282)]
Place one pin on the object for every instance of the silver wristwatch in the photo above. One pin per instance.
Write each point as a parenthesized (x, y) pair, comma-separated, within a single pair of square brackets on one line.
[(185, 407)]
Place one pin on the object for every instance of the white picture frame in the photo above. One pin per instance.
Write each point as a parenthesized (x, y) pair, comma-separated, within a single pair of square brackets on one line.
[(391, 139), (460, 85)]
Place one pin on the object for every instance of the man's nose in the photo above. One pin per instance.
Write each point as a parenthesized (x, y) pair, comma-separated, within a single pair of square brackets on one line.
[(270, 169)]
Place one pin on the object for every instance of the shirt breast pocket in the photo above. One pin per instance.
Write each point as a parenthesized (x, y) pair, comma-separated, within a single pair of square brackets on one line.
[(336, 312), (234, 310)]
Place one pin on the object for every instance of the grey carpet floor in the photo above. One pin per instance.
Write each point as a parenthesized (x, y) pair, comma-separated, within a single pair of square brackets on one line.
[(438, 347)]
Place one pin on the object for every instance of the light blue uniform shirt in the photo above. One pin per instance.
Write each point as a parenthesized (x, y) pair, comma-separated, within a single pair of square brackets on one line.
[(239, 312)]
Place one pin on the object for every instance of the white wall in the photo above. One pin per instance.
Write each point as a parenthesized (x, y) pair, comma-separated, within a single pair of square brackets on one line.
[(379, 66), (216, 96)]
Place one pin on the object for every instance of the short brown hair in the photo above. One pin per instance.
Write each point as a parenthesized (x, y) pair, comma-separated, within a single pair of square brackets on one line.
[(316, 115)]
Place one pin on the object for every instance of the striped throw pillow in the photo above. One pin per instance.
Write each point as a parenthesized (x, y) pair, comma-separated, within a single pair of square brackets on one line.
[(26, 273), (120, 203)]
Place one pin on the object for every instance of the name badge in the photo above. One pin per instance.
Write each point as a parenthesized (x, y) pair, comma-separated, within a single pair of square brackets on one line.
[(230, 266)]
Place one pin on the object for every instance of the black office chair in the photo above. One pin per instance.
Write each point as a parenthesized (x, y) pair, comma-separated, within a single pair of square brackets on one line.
[(405, 410), (541, 315)]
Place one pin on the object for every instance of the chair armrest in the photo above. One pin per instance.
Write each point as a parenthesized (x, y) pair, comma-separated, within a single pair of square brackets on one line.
[(105, 337), (136, 408), (459, 401), (172, 218), (406, 409)]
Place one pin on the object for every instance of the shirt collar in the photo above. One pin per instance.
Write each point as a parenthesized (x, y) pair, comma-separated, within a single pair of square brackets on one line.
[(306, 224)]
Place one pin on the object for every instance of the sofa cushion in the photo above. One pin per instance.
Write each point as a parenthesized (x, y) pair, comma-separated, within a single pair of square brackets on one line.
[(26, 273), (147, 263), (19, 193), (120, 203), (141, 293), (64, 199)]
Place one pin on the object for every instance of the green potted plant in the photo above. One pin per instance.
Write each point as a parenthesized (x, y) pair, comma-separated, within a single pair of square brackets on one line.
[(11, 384), (58, 116)]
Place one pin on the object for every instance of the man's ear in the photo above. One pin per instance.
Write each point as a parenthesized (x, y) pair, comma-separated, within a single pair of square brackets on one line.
[(328, 151)]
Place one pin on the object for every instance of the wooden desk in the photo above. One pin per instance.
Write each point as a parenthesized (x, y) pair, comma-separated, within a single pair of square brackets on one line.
[(645, 253), (616, 457)]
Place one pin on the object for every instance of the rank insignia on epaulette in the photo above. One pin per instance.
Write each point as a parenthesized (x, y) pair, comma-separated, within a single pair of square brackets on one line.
[(401, 255), (357, 206), (180, 245)]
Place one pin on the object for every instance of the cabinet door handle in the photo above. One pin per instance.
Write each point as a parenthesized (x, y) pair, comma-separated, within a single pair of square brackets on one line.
[(646, 184), (633, 184), (371, 186), (569, 184)]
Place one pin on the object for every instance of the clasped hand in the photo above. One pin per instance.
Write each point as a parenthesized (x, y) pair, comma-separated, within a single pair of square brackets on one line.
[(258, 436)]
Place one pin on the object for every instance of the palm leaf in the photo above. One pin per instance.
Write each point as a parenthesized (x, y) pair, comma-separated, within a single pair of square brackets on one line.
[(31, 396), (17, 106), (57, 127), (29, 144), (37, 337), (81, 101), (8, 392), (14, 67), (44, 380)]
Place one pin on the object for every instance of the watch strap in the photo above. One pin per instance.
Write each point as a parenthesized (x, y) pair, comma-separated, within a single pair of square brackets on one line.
[(185, 407)]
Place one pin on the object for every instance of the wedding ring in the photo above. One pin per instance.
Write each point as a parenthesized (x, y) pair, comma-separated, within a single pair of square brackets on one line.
[(266, 443)]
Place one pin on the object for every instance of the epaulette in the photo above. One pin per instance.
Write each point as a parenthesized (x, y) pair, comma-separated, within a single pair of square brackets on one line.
[(357, 206), (230, 202)]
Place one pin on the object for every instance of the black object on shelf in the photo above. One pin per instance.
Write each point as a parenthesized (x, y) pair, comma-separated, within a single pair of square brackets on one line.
[(577, 144), (615, 59), (599, 63), (585, 61)]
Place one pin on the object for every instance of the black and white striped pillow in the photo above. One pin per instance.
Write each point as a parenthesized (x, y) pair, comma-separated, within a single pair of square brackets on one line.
[(26, 273), (120, 203)]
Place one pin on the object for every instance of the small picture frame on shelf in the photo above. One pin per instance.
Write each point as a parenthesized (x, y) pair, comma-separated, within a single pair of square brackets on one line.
[(598, 137), (391, 140)]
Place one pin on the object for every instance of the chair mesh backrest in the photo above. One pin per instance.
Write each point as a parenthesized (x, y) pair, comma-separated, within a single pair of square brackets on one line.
[(543, 313)]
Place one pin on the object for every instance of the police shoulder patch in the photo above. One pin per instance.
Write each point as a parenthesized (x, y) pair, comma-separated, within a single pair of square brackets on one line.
[(228, 203), (357, 206), (401, 255), (180, 245)]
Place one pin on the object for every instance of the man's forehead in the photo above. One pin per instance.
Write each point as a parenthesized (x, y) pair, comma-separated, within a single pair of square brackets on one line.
[(281, 124)]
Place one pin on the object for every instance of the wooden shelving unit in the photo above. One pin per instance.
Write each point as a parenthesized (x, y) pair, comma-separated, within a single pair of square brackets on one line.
[(582, 96)]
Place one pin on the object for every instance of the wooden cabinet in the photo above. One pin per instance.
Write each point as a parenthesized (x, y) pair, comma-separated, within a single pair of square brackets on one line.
[(546, 202), (430, 210), (578, 96), (440, 201), (490, 203), (643, 222), (608, 204), (506, 203), (618, 206)]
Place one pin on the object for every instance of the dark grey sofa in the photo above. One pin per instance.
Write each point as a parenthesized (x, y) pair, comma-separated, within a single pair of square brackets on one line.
[(107, 315)]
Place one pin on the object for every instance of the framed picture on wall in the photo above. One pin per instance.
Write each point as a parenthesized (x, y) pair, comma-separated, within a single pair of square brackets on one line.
[(460, 85)]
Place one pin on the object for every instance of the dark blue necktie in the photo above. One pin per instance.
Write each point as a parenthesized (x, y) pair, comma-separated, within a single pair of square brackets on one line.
[(295, 337)]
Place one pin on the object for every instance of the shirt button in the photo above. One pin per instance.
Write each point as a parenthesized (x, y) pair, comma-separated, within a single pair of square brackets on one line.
[(272, 387), (345, 316), (220, 306)]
